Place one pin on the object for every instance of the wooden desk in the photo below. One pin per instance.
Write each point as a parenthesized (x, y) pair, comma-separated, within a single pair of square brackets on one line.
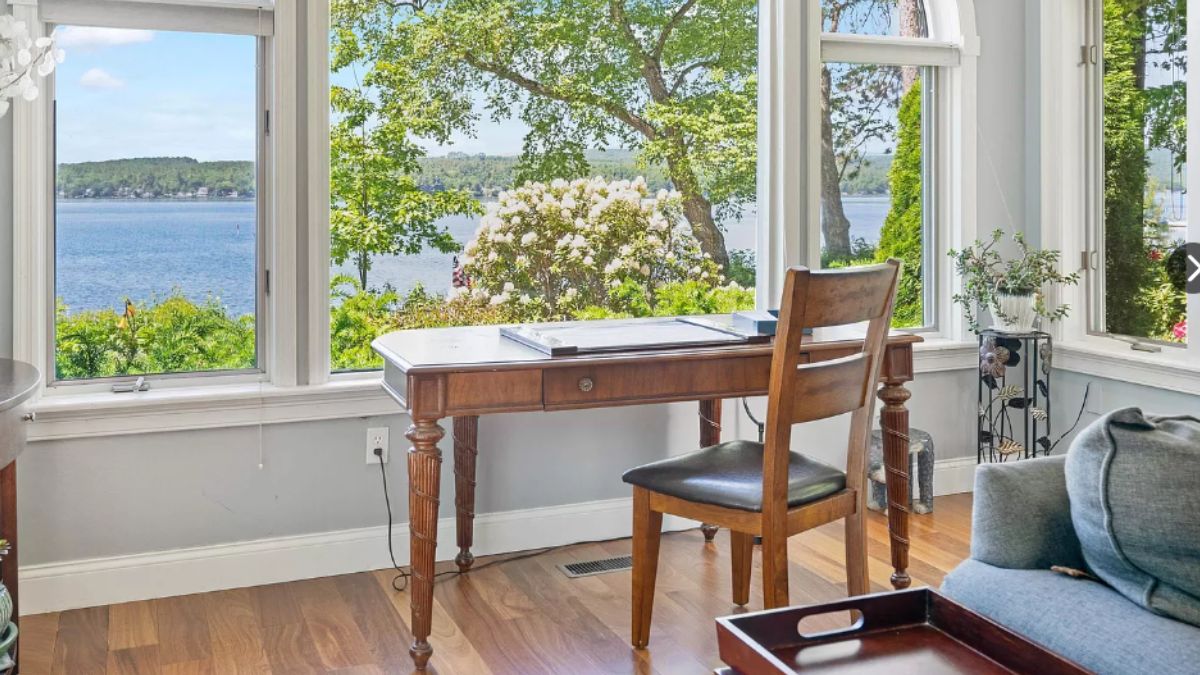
[(467, 372)]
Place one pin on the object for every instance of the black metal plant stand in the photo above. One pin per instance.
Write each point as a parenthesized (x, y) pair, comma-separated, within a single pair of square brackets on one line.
[(1014, 396)]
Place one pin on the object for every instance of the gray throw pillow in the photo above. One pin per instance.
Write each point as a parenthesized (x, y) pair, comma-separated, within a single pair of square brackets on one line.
[(1134, 485)]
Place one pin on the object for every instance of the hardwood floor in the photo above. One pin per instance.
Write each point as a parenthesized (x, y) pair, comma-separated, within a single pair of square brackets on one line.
[(519, 617)]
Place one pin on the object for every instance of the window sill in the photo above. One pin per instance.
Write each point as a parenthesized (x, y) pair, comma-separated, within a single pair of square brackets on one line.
[(88, 415), (1171, 369), (103, 413)]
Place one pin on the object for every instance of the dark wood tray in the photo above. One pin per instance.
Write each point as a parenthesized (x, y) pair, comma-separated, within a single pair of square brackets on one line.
[(914, 631)]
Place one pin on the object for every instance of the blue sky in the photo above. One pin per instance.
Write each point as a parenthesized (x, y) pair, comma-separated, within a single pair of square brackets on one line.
[(129, 93), (133, 93)]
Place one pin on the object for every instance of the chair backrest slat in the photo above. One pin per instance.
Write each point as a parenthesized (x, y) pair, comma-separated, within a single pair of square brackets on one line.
[(847, 296), (830, 388)]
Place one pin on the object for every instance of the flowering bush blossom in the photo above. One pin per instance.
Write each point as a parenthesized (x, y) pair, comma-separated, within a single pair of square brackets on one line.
[(20, 58), (1179, 331), (555, 250)]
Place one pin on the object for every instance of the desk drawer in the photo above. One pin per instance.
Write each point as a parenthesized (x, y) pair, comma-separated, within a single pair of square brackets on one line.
[(630, 384)]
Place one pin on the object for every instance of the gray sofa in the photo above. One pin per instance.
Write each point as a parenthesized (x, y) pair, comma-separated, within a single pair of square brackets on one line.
[(1021, 526)]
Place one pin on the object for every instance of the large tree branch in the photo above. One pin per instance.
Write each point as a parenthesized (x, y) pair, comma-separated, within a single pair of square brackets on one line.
[(651, 64), (681, 78), (672, 23), (503, 72)]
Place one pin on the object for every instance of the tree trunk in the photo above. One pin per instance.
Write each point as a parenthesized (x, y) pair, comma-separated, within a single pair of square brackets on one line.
[(363, 262), (910, 26), (696, 206), (834, 225)]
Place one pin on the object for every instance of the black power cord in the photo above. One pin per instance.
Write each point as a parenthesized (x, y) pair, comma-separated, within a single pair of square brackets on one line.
[(400, 581)]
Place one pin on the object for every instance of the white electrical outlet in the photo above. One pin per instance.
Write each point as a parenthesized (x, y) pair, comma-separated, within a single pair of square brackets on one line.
[(377, 437)]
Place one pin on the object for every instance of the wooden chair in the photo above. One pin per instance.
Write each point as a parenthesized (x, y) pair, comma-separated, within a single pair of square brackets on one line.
[(765, 489)]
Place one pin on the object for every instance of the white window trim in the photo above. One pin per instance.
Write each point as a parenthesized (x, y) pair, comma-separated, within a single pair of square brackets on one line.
[(788, 112), (33, 181), (1065, 176)]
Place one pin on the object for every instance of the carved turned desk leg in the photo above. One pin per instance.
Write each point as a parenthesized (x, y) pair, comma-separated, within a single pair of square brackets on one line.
[(424, 481), (710, 434), (894, 421), (466, 449)]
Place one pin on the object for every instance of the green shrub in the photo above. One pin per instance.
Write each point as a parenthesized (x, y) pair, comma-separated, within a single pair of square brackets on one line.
[(548, 251), (168, 336)]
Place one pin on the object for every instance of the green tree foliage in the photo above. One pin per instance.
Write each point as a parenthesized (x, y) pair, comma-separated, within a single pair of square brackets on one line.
[(902, 229), (173, 335), (1142, 113), (377, 205), (154, 177), (671, 79)]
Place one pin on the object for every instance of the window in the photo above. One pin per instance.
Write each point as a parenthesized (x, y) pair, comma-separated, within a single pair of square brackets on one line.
[(157, 244), (542, 165), (875, 148), (1137, 269)]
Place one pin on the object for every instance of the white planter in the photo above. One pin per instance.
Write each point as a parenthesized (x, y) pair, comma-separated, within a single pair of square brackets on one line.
[(1018, 311)]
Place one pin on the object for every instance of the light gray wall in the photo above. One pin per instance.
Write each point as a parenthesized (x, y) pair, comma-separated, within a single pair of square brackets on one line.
[(1002, 124), (1107, 395)]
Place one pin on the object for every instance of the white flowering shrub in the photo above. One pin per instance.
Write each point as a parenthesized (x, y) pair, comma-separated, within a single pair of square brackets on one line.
[(21, 59), (583, 247)]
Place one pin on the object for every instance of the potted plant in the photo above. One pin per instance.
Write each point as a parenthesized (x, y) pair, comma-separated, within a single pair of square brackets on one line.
[(1014, 290)]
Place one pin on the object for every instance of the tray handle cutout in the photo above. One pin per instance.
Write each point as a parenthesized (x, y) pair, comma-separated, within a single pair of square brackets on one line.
[(809, 625)]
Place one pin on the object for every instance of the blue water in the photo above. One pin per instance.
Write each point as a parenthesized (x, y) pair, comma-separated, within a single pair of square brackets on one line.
[(108, 250)]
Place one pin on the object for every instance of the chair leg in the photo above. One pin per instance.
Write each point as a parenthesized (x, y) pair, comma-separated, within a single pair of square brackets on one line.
[(858, 581), (775, 570), (647, 528), (742, 552)]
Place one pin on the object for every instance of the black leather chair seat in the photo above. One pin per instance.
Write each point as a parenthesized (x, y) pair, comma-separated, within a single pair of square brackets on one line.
[(730, 475)]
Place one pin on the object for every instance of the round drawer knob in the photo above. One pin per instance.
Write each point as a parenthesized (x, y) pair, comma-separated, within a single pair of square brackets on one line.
[(586, 384)]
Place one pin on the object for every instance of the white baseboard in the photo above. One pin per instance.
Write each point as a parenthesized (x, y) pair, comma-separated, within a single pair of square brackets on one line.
[(102, 581), (953, 476)]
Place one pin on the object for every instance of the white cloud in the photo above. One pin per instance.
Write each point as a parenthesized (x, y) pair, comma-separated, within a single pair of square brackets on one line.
[(85, 37), (96, 78)]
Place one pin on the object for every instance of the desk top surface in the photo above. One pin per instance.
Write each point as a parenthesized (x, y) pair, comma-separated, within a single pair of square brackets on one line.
[(483, 348)]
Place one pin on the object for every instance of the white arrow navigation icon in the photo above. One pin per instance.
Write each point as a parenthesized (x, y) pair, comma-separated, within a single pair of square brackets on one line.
[(1192, 259)]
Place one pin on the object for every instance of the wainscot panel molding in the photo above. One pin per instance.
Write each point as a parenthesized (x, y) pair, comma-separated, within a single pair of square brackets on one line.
[(74, 584), (90, 415)]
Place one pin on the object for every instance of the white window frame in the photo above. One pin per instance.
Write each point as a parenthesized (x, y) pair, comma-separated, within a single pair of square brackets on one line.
[(1071, 190), (952, 47), (33, 184)]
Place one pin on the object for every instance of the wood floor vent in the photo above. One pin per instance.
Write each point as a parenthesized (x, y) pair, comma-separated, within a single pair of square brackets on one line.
[(589, 568)]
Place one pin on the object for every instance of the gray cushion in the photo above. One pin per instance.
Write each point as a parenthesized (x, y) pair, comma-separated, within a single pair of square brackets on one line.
[(730, 475), (1085, 621), (1132, 480), (1021, 517)]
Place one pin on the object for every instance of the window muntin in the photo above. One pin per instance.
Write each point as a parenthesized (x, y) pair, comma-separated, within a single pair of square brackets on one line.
[(1141, 214), (558, 109), (157, 243)]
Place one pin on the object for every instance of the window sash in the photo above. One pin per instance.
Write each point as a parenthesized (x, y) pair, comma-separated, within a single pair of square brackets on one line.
[(1092, 257), (234, 17), (262, 203)]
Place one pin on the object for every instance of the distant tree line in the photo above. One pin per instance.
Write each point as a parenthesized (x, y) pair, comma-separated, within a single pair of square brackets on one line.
[(156, 177)]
